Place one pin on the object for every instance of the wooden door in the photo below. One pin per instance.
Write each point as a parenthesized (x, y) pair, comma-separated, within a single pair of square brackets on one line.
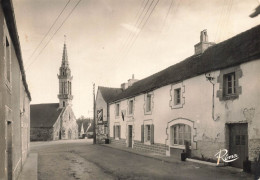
[(130, 135), (238, 143)]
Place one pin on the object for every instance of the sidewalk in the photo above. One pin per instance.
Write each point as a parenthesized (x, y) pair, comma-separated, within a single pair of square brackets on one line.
[(175, 160), (29, 170)]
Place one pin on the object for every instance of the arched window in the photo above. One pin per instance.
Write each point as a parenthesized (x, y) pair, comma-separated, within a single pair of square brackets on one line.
[(180, 133), (63, 104)]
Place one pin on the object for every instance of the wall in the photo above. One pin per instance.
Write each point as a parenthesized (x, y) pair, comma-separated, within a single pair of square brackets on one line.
[(11, 95), (101, 130), (16, 80), (5, 100), (69, 124), (208, 135), (41, 134)]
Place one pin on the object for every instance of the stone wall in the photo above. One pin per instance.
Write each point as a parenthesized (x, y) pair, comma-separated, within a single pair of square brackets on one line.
[(41, 134), (155, 148), (120, 142)]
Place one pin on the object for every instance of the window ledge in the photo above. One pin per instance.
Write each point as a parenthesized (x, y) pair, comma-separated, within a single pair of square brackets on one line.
[(230, 97), (178, 146)]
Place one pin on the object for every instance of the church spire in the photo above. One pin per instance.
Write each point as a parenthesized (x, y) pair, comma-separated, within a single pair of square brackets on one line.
[(65, 79), (65, 54)]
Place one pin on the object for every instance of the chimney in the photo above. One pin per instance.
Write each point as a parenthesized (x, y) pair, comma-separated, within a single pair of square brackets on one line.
[(130, 82), (203, 44)]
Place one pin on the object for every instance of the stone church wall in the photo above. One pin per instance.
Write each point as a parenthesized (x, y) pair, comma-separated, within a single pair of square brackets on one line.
[(41, 134)]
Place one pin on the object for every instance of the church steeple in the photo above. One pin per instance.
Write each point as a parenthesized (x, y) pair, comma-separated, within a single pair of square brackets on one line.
[(65, 78)]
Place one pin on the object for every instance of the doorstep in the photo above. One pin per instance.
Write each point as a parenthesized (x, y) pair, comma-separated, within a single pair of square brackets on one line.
[(29, 169)]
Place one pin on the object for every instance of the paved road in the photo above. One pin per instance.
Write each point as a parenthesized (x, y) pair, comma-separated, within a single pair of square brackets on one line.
[(80, 159)]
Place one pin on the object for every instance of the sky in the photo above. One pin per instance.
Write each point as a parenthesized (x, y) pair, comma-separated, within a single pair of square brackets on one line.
[(109, 40)]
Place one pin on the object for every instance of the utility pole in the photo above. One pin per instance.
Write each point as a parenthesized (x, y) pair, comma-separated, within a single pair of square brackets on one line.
[(94, 115)]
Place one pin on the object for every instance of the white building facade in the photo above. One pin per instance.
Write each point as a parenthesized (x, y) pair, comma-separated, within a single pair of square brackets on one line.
[(209, 101)]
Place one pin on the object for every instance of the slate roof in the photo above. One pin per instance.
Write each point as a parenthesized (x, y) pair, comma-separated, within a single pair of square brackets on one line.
[(44, 115), (239, 49), (109, 93), (11, 25)]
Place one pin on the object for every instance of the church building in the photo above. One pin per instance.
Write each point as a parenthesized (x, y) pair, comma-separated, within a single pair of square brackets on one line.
[(54, 121)]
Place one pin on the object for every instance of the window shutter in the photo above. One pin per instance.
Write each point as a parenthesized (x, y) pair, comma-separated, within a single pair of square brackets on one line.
[(119, 132), (114, 131), (142, 133), (152, 134)]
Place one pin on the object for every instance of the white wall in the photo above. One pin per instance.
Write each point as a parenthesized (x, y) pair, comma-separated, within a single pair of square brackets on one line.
[(197, 110)]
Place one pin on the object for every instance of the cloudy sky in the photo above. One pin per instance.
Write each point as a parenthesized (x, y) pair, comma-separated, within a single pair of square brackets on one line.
[(109, 40)]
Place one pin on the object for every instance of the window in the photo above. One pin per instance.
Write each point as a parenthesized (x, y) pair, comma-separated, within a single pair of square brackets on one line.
[(229, 84), (177, 96), (228, 80), (63, 104), (117, 109), (117, 133), (8, 60), (130, 107), (147, 133), (180, 133), (148, 102)]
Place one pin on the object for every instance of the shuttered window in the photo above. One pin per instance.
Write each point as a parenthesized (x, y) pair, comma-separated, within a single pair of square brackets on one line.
[(147, 133)]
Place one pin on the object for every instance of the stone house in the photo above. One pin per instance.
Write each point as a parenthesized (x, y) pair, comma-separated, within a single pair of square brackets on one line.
[(56, 120), (209, 101), (14, 98), (104, 96)]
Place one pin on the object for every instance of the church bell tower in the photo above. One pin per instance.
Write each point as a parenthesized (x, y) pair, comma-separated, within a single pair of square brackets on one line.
[(65, 78)]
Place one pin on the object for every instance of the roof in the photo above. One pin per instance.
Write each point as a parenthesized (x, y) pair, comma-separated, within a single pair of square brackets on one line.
[(44, 115), (108, 93), (11, 25), (239, 49)]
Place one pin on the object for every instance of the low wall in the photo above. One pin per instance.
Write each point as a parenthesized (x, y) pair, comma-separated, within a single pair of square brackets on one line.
[(41, 134)]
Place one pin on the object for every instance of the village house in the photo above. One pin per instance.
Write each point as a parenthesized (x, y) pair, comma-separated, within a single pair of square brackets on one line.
[(104, 96), (209, 101), (14, 98), (56, 121)]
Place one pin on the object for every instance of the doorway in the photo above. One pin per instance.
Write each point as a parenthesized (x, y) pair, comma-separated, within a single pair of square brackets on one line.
[(130, 135), (238, 143), (9, 142)]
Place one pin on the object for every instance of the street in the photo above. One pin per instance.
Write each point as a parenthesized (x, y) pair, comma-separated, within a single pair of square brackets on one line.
[(80, 159)]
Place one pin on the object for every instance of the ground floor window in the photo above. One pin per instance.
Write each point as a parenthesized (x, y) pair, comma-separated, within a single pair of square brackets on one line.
[(180, 133), (117, 133), (148, 133)]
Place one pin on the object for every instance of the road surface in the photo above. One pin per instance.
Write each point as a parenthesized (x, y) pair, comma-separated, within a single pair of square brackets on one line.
[(79, 159)]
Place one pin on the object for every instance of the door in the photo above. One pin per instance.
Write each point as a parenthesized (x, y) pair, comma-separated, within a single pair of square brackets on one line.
[(9, 150), (238, 143), (130, 135)]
